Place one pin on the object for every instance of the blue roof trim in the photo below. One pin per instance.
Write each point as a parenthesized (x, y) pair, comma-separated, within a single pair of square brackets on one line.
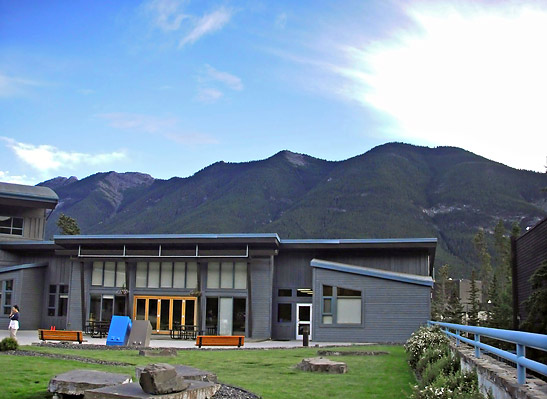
[(164, 236), (23, 266), (336, 241), (367, 271), (27, 242)]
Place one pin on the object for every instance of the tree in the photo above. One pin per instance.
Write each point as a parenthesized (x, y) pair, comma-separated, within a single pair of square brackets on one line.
[(68, 225), (481, 249), (454, 312), (536, 304), (440, 299), (474, 299)]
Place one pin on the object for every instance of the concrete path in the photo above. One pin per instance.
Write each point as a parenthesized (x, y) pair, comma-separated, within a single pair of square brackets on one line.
[(28, 337)]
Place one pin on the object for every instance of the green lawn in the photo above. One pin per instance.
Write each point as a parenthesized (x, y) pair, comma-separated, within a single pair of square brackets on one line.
[(269, 373)]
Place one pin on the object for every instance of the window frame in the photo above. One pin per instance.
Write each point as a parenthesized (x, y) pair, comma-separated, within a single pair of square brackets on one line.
[(12, 228), (231, 269), (58, 295), (115, 272), (334, 307), (173, 267), (6, 308)]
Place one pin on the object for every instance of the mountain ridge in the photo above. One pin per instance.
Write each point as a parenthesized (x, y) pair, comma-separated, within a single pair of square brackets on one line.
[(395, 190)]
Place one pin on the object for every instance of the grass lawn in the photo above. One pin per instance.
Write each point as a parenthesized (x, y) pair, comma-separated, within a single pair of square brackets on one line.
[(269, 373)]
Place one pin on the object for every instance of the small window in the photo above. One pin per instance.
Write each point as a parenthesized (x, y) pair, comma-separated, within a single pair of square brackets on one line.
[(109, 274), (97, 274), (141, 278), (284, 312), (11, 225), (304, 292), (284, 292), (120, 274), (191, 275), (57, 300), (227, 275), (6, 291), (179, 275), (154, 275), (240, 276), (166, 274), (213, 275)]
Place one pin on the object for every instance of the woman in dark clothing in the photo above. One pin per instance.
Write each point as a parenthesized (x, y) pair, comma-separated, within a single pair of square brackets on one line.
[(14, 321)]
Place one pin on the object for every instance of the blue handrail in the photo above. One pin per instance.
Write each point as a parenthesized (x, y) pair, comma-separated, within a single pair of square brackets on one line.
[(519, 338)]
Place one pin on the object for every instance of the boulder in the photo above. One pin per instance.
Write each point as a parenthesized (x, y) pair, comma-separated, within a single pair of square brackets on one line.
[(320, 364), (161, 378), (186, 372)]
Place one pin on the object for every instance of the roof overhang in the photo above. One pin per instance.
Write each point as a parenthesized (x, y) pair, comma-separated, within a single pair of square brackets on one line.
[(30, 196), (376, 273), (27, 245), (22, 266)]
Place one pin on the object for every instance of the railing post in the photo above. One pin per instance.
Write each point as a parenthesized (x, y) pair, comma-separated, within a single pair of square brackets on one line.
[(458, 339), (477, 349), (521, 370)]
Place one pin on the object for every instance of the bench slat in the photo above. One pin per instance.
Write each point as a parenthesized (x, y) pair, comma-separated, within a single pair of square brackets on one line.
[(220, 340)]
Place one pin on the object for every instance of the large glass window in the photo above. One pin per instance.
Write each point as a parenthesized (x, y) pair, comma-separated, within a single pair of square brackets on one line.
[(11, 225), (167, 275), (341, 305), (284, 312), (227, 275), (103, 307), (57, 300), (6, 295), (108, 274)]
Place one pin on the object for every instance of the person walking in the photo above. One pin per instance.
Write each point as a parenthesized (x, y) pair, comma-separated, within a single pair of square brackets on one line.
[(14, 321)]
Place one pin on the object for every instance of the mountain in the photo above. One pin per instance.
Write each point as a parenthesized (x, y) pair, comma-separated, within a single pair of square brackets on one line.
[(394, 190)]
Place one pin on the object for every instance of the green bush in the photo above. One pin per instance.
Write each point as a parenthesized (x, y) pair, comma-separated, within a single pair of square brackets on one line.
[(460, 385), (447, 365), (421, 340), (431, 355), (9, 344)]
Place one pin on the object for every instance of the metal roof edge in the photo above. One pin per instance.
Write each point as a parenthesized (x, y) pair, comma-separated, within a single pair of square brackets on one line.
[(361, 241), (6, 269), (164, 236), (377, 273)]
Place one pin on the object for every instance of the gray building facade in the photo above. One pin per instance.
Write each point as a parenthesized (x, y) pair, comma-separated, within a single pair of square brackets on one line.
[(257, 285)]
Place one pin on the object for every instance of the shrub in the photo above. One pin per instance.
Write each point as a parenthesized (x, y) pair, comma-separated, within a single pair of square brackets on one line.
[(9, 344), (447, 365), (421, 340), (431, 355)]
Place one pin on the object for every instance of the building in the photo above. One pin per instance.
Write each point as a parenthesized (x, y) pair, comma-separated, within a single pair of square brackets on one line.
[(528, 252), (258, 285)]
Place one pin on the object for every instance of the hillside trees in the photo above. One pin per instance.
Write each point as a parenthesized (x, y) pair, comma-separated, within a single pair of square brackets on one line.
[(68, 225)]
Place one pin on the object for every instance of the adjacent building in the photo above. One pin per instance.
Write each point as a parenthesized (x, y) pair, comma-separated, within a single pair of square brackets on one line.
[(259, 285)]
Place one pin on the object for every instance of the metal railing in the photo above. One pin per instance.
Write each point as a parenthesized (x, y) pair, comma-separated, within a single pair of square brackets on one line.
[(521, 339)]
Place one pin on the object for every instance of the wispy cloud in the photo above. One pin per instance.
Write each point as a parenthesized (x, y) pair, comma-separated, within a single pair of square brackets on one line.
[(12, 86), (168, 128), (209, 95), (227, 79), (281, 20), (45, 158), (170, 17), (7, 177), (207, 24)]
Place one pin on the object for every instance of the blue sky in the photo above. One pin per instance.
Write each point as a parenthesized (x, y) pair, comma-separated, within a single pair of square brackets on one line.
[(167, 87)]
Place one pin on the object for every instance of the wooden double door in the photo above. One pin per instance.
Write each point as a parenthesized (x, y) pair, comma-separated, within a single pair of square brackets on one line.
[(164, 312)]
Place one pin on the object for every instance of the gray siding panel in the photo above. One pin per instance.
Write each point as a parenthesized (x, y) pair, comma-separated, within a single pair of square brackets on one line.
[(391, 310), (74, 318), (261, 297), (30, 296)]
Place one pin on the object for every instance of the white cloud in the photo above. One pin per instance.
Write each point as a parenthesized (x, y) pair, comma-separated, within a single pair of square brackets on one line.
[(281, 20), (11, 86), (46, 158), (167, 14), (164, 127), (227, 79), (472, 77), (209, 95), (7, 177), (207, 24)]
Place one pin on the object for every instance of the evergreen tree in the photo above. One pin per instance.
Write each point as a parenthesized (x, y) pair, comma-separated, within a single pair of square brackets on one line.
[(454, 312), (481, 249), (68, 225), (536, 304), (474, 301), (441, 297)]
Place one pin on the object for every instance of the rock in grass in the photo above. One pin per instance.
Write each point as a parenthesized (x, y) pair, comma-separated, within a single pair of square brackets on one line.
[(161, 378)]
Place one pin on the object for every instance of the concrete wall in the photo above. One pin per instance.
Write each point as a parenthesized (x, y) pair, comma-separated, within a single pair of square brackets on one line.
[(391, 310)]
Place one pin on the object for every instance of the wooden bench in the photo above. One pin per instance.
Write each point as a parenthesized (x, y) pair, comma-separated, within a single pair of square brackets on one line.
[(60, 335), (220, 340)]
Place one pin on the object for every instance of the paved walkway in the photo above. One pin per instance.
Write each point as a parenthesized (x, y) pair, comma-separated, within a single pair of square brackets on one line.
[(28, 337)]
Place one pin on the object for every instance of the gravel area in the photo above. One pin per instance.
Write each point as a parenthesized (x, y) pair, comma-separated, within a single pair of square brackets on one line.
[(231, 392), (65, 357)]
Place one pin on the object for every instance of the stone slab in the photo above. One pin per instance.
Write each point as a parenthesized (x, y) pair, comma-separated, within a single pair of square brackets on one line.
[(76, 382), (161, 378), (186, 372), (141, 330), (322, 365), (196, 390)]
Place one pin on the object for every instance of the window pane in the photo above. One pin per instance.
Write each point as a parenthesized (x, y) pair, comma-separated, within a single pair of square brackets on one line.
[(348, 292), (141, 274), (327, 290), (227, 275), (284, 312), (284, 292), (327, 305), (5, 221), (191, 275), (166, 274), (304, 292), (52, 289), (17, 223), (154, 275), (9, 285), (107, 307), (95, 307), (120, 274), (348, 311), (211, 318), (240, 282), (238, 317), (327, 319), (213, 277), (97, 275), (109, 270), (179, 279), (63, 306), (51, 303), (63, 289), (7, 298)]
